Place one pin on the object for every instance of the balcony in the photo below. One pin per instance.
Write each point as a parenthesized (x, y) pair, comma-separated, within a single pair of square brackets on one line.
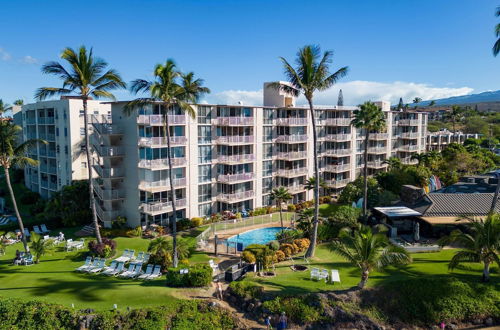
[(106, 215), (234, 178), (292, 155), (407, 122), (291, 138), (379, 136), (337, 122), (289, 173), (48, 169), (105, 151), (30, 121), (235, 197), (158, 120), (161, 185), (409, 135), (337, 184), (408, 147), (338, 152), (408, 161), (245, 158), (158, 164), (109, 173), (377, 150), (296, 188), (108, 194), (234, 139), (291, 121), (155, 208), (161, 141), (51, 153), (338, 137), (337, 168), (377, 164), (46, 120), (233, 121)]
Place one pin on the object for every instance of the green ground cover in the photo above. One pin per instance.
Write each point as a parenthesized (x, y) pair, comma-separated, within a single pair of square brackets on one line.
[(326, 210)]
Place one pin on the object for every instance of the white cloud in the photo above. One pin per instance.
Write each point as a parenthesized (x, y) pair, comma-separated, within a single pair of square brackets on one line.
[(355, 92), (4, 55), (29, 60)]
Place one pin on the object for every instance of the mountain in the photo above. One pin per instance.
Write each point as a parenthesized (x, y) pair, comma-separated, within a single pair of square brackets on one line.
[(491, 96)]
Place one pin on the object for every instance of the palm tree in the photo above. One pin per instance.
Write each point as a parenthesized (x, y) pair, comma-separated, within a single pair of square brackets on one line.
[(496, 46), (40, 246), (311, 75), (280, 195), (305, 221), (370, 118), (19, 102), (4, 107), (311, 183), (163, 248), (14, 155), (88, 78), (394, 163), (481, 244), (368, 251), (420, 158), (417, 100), (456, 114), (167, 92), (432, 103)]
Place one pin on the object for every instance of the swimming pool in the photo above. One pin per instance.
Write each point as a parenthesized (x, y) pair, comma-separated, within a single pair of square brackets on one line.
[(255, 236)]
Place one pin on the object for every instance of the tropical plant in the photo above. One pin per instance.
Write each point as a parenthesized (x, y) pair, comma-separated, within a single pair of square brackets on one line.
[(167, 92), (393, 163), (311, 183), (420, 158), (19, 102), (14, 155), (4, 107), (417, 100), (280, 195), (305, 221), (162, 250), (370, 118), (40, 246), (480, 244), (496, 46), (455, 115), (88, 78), (368, 251), (311, 75)]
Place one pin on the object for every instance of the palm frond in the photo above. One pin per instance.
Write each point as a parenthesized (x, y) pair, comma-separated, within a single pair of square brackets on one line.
[(139, 85), (46, 92), (187, 108), (463, 256)]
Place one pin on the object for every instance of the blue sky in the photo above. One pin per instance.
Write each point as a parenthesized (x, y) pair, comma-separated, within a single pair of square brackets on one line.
[(424, 48)]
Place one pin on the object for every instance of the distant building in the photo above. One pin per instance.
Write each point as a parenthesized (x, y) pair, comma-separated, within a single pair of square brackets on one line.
[(439, 140)]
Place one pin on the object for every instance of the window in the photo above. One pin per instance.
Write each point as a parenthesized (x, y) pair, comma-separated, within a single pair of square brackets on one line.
[(268, 133), (205, 210), (204, 114), (267, 185), (82, 112), (267, 168), (65, 131), (268, 150), (82, 131), (204, 134), (266, 200), (204, 193), (204, 154), (268, 116), (204, 173), (84, 164)]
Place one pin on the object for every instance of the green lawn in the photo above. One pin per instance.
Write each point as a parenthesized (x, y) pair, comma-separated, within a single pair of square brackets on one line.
[(424, 265), (326, 210), (54, 280)]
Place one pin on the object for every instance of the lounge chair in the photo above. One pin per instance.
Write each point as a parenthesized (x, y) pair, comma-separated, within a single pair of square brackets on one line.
[(130, 270), (28, 260), (139, 257), (87, 264), (149, 271), (117, 270), (44, 229), (126, 256), (215, 267), (27, 232), (323, 275), (315, 273), (37, 230), (110, 268), (146, 257), (100, 266), (156, 273), (46, 237), (137, 271)]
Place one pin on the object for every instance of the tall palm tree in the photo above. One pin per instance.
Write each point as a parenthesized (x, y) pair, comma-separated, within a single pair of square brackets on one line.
[(4, 107), (311, 75), (481, 244), (394, 163), (456, 114), (311, 183), (280, 195), (420, 158), (368, 251), (496, 46), (87, 77), (167, 91), (19, 102), (14, 155), (417, 100), (370, 118)]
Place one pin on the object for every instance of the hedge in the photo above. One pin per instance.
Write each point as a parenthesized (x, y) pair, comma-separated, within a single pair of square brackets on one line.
[(299, 310), (247, 289), (198, 276)]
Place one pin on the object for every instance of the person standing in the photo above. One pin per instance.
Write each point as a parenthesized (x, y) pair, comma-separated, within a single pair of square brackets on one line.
[(268, 323), (219, 290), (282, 321)]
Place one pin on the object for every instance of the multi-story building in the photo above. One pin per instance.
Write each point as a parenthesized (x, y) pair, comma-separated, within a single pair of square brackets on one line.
[(439, 140), (231, 156), (62, 159)]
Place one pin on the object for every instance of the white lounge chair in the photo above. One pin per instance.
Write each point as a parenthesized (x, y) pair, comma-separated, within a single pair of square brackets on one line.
[(44, 229), (119, 268), (100, 266), (27, 232), (109, 268), (46, 237), (315, 273), (139, 257), (146, 257), (37, 230), (335, 276), (323, 275), (156, 273), (129, 271), (137, 271), (215, 267), (126, 256), (87, 264), (149, 271)]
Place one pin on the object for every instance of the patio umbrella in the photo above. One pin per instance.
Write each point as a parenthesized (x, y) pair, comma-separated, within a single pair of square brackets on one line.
[(416, 233)]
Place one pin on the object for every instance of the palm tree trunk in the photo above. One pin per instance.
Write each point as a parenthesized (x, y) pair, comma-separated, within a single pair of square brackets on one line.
[(166, 129), (281, 217), (495, 196), (364, 279), (314, 236), (89, 169), (486, 272), (14, 203), (365, 177)]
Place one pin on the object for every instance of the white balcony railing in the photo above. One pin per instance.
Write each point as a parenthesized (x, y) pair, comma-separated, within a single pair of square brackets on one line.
[(292, 138), (338, 137), (230, 178), (234, 139), (409, 135), (377, 164), (337, 183), (233, 121), (338, 152), (236, 158), (161, 184), (337, 121), (108, 194), (337, 168), (408, 147), (291, 172), (408, 122), (295, 188), (158, 120), (154, 208), (377, 150), (161, 141), (292, 155), (161, 163), (379, 136), (234, 197), (291, 121)]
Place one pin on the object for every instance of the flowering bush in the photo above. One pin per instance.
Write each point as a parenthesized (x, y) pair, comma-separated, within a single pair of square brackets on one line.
[(280, 256), (104, 250)]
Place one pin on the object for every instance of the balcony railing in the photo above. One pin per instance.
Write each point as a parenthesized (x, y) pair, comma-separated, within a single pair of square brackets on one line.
[(291, 121), (337, 121), (292, 138), (291, 172), (234, 197), (292, 155), (377, 150), (161, 141), (338, 152), (408, 160), (377, 164), (158, 120), (337, 168), (46, 120), (233, 121), (108, 194), (234, 139), (105, 151), (338, 137), (296, 188), (232, 178), (106, 215), (161, 163), (236, 158), (408, 147), (379, 136), (48, 169), (154, 208), (336, 184), (408, 122), (30, 121), (409, 135), (160, 185), (108, 173)]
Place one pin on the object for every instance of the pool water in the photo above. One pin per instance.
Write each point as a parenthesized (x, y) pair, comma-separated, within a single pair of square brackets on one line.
[(256, 236)]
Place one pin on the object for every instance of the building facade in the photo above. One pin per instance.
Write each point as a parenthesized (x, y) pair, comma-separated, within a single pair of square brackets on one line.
[(439, 140)]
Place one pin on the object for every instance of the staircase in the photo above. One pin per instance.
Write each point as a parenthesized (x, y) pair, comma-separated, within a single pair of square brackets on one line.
[(87, 230)]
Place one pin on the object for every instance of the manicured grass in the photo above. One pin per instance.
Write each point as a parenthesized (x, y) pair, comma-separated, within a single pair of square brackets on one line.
[(326, 210), (54, 279), (424, 265)]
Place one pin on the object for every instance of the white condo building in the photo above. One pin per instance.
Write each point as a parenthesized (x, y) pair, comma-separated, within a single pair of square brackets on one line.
[(229, 157)]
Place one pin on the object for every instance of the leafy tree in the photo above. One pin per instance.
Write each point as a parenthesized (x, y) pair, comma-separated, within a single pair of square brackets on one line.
[(162, 250), (88, 78), (311, 183), (400, 104), (69, 206), (417, 100), (496, 46), (346, 214), (481, 244), (476, 124), (305, 221), (456, 114), (354, 190), (280, 195), (393, 162), (311, 75), (170, 88), (18, 102), (4, 107), (40, 246), (369, 118), (368, 250), (14, 155)]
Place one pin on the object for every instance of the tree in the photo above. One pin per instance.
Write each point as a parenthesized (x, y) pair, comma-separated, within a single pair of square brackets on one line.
[(166, 91), (311, 183), (280, 195), (370, 118), (420, 158), (432, 103), (4, 107), (162, 250), (88, 78), (40, 246), (481, 244), (305, 221), (69, 205), (14, 155), (354, 191), (496, 46), (311, 75), (400, 104), (19, 102), (368, 251), (417, 100), (455, 114), (393, 163)]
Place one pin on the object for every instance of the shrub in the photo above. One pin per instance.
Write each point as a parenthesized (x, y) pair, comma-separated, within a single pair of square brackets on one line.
[(298, 310), (198, 276), (287, 249), (249, 257), (327, 199), (196, 222), (345, 214), (302, 243), (119, 223), (274, 245), (136, 232), (104, 250), (291, 208), (245, 289), (280, 256), (263, 254), (29, 198), (183, 224), (288, 236)]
